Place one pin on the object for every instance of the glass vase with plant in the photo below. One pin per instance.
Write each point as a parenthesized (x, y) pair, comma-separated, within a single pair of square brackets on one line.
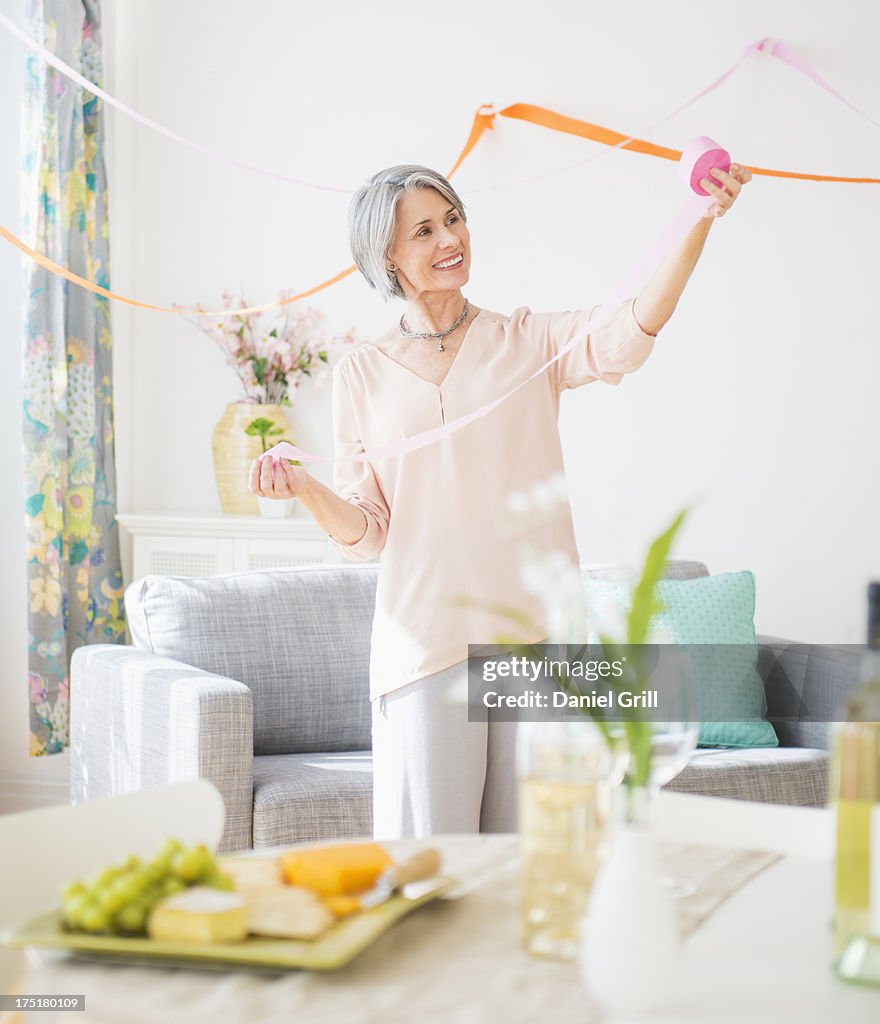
[(565, 782)]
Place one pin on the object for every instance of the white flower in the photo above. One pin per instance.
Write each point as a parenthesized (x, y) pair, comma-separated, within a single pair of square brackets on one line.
[(556, 581), (547, 493), (518, 502), (543, 495), (608, 618), (557, 483)]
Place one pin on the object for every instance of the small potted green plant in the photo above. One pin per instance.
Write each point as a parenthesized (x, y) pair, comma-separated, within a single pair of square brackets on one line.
[(263, 427)]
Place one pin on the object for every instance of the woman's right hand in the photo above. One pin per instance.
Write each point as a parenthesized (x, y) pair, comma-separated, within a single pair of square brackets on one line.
[(276, 478)]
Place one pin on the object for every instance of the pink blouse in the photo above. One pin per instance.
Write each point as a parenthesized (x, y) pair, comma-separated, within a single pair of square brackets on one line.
[(436, 516)]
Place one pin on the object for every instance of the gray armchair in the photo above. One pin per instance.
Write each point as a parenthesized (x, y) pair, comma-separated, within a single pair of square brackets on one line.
[(258, 681)]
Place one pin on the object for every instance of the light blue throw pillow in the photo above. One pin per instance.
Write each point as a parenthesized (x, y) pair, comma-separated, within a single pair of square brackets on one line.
[(718, 612)]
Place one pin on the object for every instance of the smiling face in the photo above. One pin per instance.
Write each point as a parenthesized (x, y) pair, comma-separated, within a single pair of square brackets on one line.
[(429, 231)]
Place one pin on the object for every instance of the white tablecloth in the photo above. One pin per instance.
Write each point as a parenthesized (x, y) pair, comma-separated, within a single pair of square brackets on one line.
[(763, 955)]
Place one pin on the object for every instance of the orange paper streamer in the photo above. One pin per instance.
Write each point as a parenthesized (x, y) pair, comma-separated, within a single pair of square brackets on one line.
[(481, 123), (608, 137), (483, 120), (90, 286)]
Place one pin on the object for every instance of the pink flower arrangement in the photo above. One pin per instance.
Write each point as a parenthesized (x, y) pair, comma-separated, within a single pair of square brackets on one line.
[(273, 352)]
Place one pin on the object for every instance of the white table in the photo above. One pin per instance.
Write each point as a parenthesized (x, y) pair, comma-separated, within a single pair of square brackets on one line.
[(762, 956)]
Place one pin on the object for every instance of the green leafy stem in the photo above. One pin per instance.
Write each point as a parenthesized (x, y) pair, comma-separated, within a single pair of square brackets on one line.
[(644, 606), (263, 427)]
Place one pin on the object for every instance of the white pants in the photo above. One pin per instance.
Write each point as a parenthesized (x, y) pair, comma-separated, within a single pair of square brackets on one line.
[(434, 771)]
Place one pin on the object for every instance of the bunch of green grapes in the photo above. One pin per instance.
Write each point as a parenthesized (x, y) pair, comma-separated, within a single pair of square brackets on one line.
[(118, 900)]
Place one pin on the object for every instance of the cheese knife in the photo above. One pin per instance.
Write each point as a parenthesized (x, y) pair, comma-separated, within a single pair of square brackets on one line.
[(421, 865)]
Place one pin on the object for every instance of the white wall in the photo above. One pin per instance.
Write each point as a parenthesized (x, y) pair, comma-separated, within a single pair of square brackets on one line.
[(759, 397)]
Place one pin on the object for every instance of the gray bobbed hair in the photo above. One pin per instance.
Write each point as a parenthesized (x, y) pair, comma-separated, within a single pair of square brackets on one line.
[(372, 220)]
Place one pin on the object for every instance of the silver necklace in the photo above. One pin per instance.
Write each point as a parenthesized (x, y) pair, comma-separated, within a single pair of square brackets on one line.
[(439, 335)]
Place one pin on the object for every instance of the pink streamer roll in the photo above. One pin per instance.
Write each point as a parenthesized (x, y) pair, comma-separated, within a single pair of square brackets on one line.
[(700, 157)]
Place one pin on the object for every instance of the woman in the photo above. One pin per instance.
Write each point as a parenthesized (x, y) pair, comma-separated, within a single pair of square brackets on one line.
[(434, 514)]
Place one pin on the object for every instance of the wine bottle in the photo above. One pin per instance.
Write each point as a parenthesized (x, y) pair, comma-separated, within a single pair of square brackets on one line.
[(855, 792)]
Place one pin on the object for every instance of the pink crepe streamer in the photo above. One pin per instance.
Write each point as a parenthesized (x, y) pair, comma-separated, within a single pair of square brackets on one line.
[(148, 122), (698, 159), (768, 46), (641, 134), (782, 51), (688, 216)]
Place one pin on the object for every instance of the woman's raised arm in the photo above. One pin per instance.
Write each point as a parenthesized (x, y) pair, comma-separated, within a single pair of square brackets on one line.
[(656, 302)]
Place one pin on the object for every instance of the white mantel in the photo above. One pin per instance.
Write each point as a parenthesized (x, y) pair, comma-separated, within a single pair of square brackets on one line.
[(179, 544)]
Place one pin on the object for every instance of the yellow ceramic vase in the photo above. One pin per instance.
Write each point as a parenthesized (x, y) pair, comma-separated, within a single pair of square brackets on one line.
[(234, 451)]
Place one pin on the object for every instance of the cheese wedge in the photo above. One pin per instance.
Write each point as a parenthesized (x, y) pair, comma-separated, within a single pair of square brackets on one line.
[(336, 870), (287, 912), (342, 906), (250, 873), (200, 914)]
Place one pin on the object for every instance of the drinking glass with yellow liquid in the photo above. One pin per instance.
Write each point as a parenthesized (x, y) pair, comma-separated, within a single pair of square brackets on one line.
[(566, 772), (855, 797)]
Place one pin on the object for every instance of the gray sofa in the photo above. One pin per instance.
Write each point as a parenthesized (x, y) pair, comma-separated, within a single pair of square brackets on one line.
[(258, 681)]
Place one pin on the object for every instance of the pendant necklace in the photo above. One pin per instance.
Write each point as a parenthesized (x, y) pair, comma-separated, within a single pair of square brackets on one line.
[(439, 335)]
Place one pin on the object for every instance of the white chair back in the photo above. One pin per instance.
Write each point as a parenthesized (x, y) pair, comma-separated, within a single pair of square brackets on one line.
[(45, 849), (744, 825)]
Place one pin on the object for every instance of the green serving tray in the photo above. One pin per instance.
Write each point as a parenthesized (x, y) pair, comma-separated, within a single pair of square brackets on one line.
[(339, 944)]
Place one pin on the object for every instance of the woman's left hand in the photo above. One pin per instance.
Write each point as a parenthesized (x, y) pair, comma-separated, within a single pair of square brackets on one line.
[(726, 187)]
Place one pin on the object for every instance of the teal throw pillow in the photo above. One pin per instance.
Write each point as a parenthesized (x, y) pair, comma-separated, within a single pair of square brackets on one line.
[(717, 612)]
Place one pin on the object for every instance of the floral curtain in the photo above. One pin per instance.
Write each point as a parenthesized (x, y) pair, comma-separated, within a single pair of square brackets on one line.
[(74, 574)]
